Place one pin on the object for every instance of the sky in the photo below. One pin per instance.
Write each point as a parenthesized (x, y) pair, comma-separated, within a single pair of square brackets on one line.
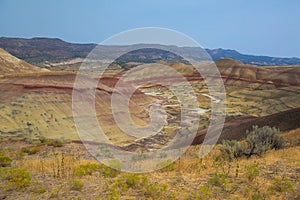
[(267, 27)]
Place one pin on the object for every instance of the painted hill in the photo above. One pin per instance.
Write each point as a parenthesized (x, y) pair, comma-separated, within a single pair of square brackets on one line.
[(10, 65), (233, 70), (41, 105), (37, 102)]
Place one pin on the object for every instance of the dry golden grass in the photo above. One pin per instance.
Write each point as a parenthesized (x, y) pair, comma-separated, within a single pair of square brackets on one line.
[(274, 175)]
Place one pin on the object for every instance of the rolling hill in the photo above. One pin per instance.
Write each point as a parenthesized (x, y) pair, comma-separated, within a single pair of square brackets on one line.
[(10, 65), (36, 103)]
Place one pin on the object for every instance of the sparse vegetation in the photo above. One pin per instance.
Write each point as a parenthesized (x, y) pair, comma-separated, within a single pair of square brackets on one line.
[(219, 179), (55, 143), (282, 185), (86, 169), (76, 185), (218, 176), (30, 150), (156, 191), (90, 168), (15, 178), (252, 172), (5, 161), (37, 188)]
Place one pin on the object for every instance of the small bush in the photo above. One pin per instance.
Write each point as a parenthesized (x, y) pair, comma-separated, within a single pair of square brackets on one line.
[(87, 169), (5, 161), (55, 143), (108, 172), (15, 178), (134, 180), (114, 194), (30, 150), (155, 191), (219, 179), (90, 168), (258, 141), (76, 185), (205, 192), (232, 149), (252, 172), (39, 190)]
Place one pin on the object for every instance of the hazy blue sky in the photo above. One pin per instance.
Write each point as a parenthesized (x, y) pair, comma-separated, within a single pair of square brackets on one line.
[(262, 27)]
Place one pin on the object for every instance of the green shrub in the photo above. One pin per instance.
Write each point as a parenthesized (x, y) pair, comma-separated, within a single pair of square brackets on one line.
[(205, 192), (232, 148), (155, 191), (55, 143), (108, 172), (30, 150), (39, 190), (219, 179), (134, 180), (128, 183), (5, 161), (76, 185), (252, 172), (15, 178), (114, 194), (90, 168), (86, 169), (258, 141)]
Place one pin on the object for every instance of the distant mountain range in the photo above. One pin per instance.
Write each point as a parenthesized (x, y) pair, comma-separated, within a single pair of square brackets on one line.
[(40, 51)]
